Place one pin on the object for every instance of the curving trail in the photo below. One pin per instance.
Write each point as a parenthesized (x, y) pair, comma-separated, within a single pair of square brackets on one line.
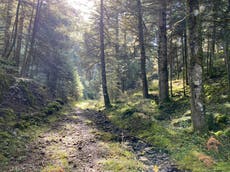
[(71, 144)]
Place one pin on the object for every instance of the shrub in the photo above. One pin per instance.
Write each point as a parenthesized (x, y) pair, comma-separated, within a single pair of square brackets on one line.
[(52, 107)]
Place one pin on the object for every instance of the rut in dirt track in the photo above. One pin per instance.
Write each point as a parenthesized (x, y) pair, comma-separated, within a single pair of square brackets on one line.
[(146, 153), (70, 141)]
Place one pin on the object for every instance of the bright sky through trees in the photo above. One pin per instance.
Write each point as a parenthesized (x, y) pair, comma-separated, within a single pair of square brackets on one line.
[(85, 7)]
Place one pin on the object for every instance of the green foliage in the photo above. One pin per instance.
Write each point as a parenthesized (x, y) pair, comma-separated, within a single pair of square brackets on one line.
[(8, 66), (5, 82), (157, 135), (53, 107), (79, 87), (8, 118), (16, 131), (216, 92), (174, 133), (92, 89), (222, 166), (183, 122), (217, 121), (27, 92), (227, 132)]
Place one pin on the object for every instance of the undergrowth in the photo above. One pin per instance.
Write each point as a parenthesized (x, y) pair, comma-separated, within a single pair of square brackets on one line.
[(119, 159), (168, 126), (16, 132)]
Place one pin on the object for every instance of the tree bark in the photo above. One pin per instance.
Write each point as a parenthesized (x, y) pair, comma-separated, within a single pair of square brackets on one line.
[(226, 46), (19, 38), (162, 54), (102, 49), (184, 64), (29, 30), (171, 66), (14, 33), (28, 58), (7, 27), (142, 48), (196, 70)]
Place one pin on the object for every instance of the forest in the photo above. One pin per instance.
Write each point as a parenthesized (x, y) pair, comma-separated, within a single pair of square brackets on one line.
[(114, 85)]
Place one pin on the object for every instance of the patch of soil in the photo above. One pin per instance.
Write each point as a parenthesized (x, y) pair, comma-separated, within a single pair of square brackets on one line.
[(72, 145), (69, 144)]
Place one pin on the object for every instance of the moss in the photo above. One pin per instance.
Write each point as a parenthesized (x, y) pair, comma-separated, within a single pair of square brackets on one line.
[(8, 117), (105, 136), (5, 135), (52, 107), (28, 94), (120, 160), (226, 132), (221, 119), (190, 161), (52, 168), (5, 81), (183, 122), (222, 166), (156, 135), (181, 143)]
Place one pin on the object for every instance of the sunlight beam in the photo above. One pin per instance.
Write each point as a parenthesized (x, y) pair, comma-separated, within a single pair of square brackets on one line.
[(85, 7)]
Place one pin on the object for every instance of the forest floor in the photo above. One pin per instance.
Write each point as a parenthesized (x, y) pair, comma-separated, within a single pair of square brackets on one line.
[(136, 134), (86, 141)]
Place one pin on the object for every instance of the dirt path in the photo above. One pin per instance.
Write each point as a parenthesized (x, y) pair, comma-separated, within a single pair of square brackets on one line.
[(69, 145), (72, 144)]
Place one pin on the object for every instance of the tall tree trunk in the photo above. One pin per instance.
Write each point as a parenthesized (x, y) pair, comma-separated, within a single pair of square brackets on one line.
[(208, 56), (19, 38), (162, 54), (171, 66), (213, 38), (196, 70), (28, 58), (14, 32), (227, 62), (142, 47), (125, 62), (102, 48), (177, 62), (29, 30), (7, 26), (226, 45), (186, 52), (117, 54), (184, 62)]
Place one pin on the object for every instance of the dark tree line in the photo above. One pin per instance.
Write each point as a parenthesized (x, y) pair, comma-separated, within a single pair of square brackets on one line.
[(33, 42)]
